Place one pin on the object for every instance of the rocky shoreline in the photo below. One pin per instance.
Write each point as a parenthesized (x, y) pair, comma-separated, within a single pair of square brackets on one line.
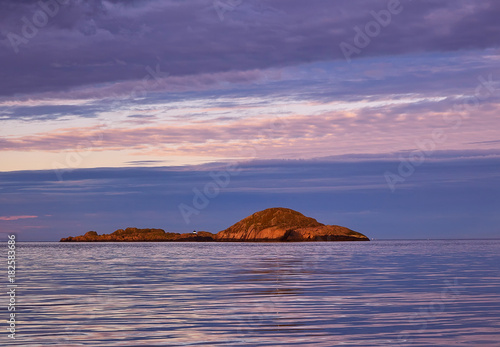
[(270, 225)]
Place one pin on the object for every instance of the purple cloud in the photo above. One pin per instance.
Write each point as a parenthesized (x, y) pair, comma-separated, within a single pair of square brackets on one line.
[(98, 42)]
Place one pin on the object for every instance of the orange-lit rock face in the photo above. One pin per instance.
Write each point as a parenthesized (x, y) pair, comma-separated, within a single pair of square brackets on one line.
[(281, 224)]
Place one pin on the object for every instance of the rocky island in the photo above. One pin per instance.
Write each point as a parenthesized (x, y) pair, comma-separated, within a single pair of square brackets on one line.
[(270, 225)]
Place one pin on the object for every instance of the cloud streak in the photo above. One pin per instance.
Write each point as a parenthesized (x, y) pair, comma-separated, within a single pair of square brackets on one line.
[(12, 218), (362, 129)]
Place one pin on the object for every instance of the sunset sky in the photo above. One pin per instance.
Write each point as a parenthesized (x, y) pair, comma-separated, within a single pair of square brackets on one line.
[(121, 113)]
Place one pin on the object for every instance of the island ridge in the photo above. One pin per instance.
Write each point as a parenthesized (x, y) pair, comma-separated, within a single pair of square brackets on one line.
[(270, 225)]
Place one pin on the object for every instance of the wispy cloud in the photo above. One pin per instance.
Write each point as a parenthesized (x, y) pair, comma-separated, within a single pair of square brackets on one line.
[(6, 218), (361, 128)]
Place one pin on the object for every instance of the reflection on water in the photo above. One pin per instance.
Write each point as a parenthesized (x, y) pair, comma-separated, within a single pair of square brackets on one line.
[(383, 293)]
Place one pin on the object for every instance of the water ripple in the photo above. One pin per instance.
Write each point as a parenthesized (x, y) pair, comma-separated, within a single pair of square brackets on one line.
[(384, 293)]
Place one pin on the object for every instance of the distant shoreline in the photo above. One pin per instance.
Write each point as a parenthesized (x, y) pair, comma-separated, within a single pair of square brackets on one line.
[(159, 235), (372, 240), (271, 225)]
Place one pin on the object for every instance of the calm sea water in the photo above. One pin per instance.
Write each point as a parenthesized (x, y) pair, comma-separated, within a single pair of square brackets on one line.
[(381, 293)]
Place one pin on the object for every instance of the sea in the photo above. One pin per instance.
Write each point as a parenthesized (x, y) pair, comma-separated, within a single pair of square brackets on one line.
[(378, 293)]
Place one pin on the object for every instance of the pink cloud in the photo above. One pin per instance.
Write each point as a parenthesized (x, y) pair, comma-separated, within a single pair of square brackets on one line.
[(16, 217), (363, 130)]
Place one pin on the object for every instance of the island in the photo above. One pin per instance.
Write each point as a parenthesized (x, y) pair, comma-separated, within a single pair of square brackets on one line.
[(270, 225)]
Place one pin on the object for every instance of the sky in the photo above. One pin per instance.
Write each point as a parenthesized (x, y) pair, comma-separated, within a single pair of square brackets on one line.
[(381, 116)]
